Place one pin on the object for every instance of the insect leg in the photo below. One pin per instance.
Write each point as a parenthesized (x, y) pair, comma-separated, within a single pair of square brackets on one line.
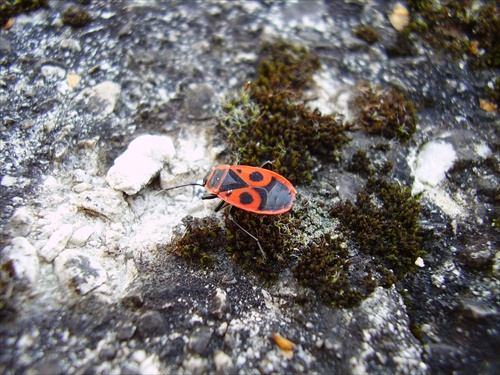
[(209, 196), (221, 205), (247, 232)]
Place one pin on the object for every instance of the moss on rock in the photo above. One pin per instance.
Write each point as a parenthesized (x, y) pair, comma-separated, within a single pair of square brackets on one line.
[(384, 223), (384, 112), (271, 121)]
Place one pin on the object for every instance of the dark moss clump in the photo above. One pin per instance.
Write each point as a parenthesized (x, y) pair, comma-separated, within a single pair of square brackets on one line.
[(201, 237), (403, 46), (11, 8), (384, 112), (326, 268), (278, 235), (7, 289), (270, 120), (361, 165), (460, 27), (485, 30), (76, 17), (366, 33), (384, 223)]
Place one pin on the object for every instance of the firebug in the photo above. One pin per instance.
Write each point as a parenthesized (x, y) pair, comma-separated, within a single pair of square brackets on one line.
[(252, 189)]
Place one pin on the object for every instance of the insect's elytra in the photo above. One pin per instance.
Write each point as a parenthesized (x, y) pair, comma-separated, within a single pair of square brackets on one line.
[(251, 189)]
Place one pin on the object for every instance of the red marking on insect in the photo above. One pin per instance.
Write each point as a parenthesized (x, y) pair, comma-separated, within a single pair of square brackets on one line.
[(252, 189)]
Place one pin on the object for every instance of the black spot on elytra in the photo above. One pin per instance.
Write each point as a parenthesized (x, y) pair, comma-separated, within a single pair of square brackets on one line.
[(246, 198), (256, 176)]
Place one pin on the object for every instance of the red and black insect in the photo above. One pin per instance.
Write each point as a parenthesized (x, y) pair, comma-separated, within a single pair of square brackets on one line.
[(252, 189)]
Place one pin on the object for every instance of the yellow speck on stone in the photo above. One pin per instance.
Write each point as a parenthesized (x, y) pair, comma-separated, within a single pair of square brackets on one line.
[(400, 17), (9, 23), (487, 106), (285, 345), (73, 79)]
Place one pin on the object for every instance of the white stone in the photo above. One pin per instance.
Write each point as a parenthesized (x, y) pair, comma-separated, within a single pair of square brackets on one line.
[(195, 365), (100, 99), (106, 202), (53, 73), (419, 262), (20, 223), (109, 92), (150, 365), (71, 44), (77, 270), (24, 260), (143, 159), (81, 187), (56, 243), (139, 355), (50, 182), (433, 161), (112, 237), (8, 181), (221, 330), (223, 362), (81, 235), (482, 149)]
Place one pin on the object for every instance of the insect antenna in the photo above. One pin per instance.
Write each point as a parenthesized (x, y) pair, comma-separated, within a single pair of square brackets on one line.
[(178, 186)]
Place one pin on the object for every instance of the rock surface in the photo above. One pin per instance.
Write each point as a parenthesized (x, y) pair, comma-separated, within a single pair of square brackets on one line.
[(89, 279)]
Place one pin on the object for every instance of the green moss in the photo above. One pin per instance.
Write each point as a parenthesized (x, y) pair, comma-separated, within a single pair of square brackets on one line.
[(9, 8), (384, 223), (403, 47), (366, 33), (76, 17), (7, 289), (202, 236), (325, 268), (384, 112), (360, 164), (459, 27), (279, 236), (269, 120)]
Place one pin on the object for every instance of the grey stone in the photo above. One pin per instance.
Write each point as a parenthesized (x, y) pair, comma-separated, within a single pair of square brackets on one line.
[(219, 304), (125, 330), (199, 340), (200, 102), (151, 323), (78, 271)]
